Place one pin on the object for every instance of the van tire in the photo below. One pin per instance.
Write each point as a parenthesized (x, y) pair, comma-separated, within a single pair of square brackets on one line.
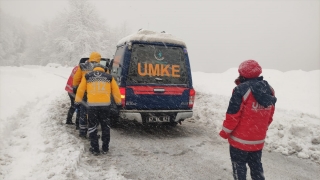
[(114, 122), (173, 124), (114, 118), (144, 120)]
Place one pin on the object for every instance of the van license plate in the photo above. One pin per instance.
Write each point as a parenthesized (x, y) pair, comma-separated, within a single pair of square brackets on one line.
[(159, 119)]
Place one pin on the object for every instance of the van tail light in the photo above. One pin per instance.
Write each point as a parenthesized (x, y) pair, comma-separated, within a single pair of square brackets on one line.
[(192, 95), (123, 96)]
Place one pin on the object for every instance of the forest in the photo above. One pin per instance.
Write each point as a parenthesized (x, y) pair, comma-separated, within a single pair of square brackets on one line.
[(71, 35)]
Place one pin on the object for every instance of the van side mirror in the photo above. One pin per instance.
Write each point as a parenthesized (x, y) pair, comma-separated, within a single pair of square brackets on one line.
[(129, 46), (110, 64), (83, 60)]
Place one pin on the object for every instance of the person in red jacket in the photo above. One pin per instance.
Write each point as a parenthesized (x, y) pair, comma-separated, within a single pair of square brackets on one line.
[(69, 89), (249, 114)]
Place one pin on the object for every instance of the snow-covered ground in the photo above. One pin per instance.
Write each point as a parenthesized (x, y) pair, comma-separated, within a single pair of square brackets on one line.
[(36, 144)]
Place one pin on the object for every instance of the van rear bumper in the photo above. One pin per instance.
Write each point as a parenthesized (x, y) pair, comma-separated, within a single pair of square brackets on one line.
[(137, 114)]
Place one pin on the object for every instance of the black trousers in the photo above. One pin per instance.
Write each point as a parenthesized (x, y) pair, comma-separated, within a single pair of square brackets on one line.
[(83, 120), (240, 158), (72, 109), (99, 115)]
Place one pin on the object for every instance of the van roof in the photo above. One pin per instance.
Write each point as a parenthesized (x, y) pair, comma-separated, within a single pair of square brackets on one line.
[(151, 36)]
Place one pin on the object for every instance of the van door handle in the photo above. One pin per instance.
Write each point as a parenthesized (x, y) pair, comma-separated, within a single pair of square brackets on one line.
[(158, 90)]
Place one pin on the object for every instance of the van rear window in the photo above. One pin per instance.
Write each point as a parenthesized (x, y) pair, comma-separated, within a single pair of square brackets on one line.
[(155, 64)]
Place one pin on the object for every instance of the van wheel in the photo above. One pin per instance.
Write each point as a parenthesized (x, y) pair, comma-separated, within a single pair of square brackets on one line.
[(114, 115), (113, 122), (144, 120), (173, 124)]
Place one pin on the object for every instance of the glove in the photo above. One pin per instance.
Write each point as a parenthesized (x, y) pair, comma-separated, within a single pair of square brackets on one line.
[(224, 135), (74, 89)]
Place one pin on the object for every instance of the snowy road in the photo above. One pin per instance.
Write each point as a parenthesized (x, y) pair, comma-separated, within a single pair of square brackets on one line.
[(189, 151)]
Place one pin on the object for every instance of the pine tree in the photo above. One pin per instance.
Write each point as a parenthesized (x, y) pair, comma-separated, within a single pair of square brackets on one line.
[(12, 39), (71, 35), (75, 34)]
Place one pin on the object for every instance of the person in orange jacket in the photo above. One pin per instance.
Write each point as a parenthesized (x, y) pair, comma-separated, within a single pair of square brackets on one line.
[(100, 88), (71, 95), (82, 70), (248, 117)]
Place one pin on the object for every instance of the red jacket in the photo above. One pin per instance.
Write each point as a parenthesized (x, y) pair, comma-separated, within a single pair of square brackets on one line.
[(249, 115), (70, 80)]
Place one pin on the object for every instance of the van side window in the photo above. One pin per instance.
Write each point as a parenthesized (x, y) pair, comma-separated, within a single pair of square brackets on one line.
[(117, 61)]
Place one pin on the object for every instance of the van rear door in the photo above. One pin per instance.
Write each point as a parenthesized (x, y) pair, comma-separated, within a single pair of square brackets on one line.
[(157, 78)]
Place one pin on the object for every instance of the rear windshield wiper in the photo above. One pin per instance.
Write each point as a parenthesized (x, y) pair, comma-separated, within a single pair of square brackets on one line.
[(158, 79)]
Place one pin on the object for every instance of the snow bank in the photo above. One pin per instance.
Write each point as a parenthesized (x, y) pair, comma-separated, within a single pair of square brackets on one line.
[(296, 123)]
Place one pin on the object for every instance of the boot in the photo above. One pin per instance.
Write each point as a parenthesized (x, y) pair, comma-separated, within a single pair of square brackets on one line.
[(69, 116), (95, 152), (83, 136), (105, 149), (69, 122)]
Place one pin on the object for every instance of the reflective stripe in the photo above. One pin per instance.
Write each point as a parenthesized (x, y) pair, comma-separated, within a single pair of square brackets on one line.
[(83, 126), (226, 130), (246, 142), (99, 104), (70, 87), (245, 96), (90, 130), (235, 172)]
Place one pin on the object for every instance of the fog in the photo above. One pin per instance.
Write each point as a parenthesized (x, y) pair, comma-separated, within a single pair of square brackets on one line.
[(282, 35)]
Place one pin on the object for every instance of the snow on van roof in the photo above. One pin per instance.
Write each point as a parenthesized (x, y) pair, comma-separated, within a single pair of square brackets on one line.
[(152, 36)]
